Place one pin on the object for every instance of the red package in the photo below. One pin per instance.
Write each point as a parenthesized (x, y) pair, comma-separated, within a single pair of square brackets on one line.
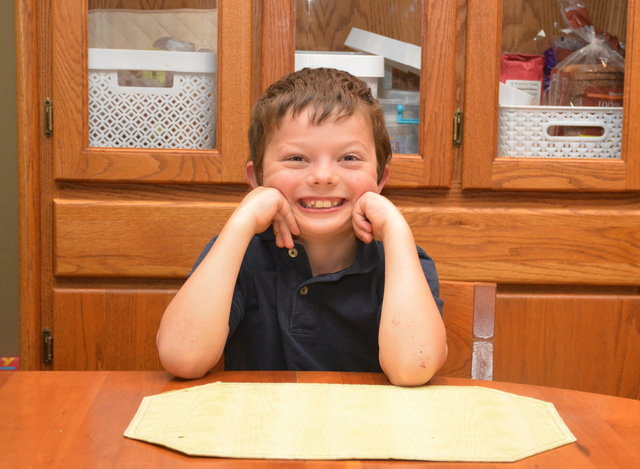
[(524, 72)]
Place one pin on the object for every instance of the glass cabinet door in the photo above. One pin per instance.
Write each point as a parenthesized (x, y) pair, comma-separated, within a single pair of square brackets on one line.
[(404, 49), (141, 90), (152, 77), (549, 102)]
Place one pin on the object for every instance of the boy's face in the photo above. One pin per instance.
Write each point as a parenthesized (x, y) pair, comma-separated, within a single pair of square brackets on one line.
[(322, 170)]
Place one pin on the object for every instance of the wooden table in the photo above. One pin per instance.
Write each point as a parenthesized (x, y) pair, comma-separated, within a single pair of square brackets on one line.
[(76, 419)]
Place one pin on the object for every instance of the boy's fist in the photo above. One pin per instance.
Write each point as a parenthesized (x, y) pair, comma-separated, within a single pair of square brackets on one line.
[(373, 216), (265, 206)]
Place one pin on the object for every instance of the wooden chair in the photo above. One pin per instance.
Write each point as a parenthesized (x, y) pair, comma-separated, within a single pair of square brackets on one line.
[(468, 316)]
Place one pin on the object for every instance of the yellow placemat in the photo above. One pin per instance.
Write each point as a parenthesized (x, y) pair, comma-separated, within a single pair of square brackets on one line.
[(343, 421)]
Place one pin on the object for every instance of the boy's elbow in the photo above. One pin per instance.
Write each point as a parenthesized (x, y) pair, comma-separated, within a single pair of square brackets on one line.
[(412, 373), (184, 370), (185, 365), (410, 377)]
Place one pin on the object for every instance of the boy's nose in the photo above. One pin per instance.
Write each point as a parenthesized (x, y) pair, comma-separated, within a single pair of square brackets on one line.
[(323, 174)]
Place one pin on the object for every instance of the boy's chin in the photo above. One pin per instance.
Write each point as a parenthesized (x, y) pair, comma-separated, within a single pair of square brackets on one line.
[(326, 230)]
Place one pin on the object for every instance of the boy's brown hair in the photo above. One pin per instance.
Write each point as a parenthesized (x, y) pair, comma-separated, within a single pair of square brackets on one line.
[(328, 93)]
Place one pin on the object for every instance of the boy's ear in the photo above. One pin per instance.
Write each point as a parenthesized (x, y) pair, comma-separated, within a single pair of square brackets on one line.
[(251, 175), (385, 176)]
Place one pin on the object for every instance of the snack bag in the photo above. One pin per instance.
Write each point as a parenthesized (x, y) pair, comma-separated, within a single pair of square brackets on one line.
[(524, 72)]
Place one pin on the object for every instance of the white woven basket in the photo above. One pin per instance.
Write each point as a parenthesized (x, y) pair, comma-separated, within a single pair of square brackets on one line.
[(182, 116), (526, 131)]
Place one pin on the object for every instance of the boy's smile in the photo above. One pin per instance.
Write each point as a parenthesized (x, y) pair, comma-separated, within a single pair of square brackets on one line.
[(322, 170), (321, 204)]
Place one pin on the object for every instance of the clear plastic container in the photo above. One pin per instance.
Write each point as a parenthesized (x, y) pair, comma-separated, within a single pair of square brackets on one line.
[(401, 114)]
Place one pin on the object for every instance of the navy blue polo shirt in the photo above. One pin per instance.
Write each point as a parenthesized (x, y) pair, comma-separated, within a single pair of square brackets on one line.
[(283, 318)]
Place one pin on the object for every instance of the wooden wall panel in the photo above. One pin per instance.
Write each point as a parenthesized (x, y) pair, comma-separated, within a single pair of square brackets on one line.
[(581, 341), (100, 329), (133, 238), (531, 245), (534, 245)]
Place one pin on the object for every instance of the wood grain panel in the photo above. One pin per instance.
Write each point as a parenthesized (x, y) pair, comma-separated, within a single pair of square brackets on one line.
[(631, 126), (564, 174), (128, 239), (28, 63), (458, 319), (548, 246), (501, 245), (585, 342), (107, 329), (277, 35)]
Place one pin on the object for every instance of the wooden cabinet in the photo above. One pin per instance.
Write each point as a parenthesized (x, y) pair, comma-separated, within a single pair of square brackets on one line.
[(109, 234), (90, 212), (73, 159), (432, 166), (482, 168), (575, 339)]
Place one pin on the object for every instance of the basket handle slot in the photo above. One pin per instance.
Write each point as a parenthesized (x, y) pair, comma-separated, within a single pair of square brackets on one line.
[(583, 131)]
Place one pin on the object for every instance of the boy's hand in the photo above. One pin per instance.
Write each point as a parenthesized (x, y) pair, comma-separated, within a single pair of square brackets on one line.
[(374, 216), (265, 206)]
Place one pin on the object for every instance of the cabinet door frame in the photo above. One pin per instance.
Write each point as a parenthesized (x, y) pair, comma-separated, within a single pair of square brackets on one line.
[(73, 159), (483, 169), (433, 166)]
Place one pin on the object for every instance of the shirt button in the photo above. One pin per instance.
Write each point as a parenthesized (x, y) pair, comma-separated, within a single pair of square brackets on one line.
[(293, 252), (304, 290)]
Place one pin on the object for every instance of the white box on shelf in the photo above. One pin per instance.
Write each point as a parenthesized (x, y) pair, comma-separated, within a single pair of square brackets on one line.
[(181, 115), (536, 132), (369, 68), (400, 54)]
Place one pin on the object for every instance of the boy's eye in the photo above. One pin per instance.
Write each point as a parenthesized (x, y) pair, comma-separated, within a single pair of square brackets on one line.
[(349, 157), (295, 158)]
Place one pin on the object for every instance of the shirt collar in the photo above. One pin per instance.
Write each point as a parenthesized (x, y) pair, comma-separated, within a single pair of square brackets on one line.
[(367, 258)]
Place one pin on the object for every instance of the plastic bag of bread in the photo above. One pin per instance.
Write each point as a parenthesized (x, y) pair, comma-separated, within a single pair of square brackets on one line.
[(594, 74)]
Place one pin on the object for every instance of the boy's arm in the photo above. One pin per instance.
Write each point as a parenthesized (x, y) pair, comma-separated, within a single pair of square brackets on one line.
[(195, 325), (412, 337)]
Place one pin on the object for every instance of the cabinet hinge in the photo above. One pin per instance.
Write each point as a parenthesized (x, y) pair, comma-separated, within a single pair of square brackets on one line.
[(48, 117), (457, 127), (47, 346)]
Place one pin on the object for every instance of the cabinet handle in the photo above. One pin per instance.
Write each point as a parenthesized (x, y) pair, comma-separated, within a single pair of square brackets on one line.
[(48, 117), (457, 127)]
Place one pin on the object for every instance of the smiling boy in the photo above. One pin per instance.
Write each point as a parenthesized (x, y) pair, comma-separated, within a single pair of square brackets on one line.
[(315, 270)]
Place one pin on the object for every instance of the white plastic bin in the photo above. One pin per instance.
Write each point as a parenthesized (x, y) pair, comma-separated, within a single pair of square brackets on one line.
[(369, 68), (530, 132), (180, 116)]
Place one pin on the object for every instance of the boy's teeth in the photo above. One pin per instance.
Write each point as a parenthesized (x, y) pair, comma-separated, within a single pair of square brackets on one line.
[(321, 204)]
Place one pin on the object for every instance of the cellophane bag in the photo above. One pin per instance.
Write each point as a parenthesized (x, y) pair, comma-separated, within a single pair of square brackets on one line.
[(594, 74)]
